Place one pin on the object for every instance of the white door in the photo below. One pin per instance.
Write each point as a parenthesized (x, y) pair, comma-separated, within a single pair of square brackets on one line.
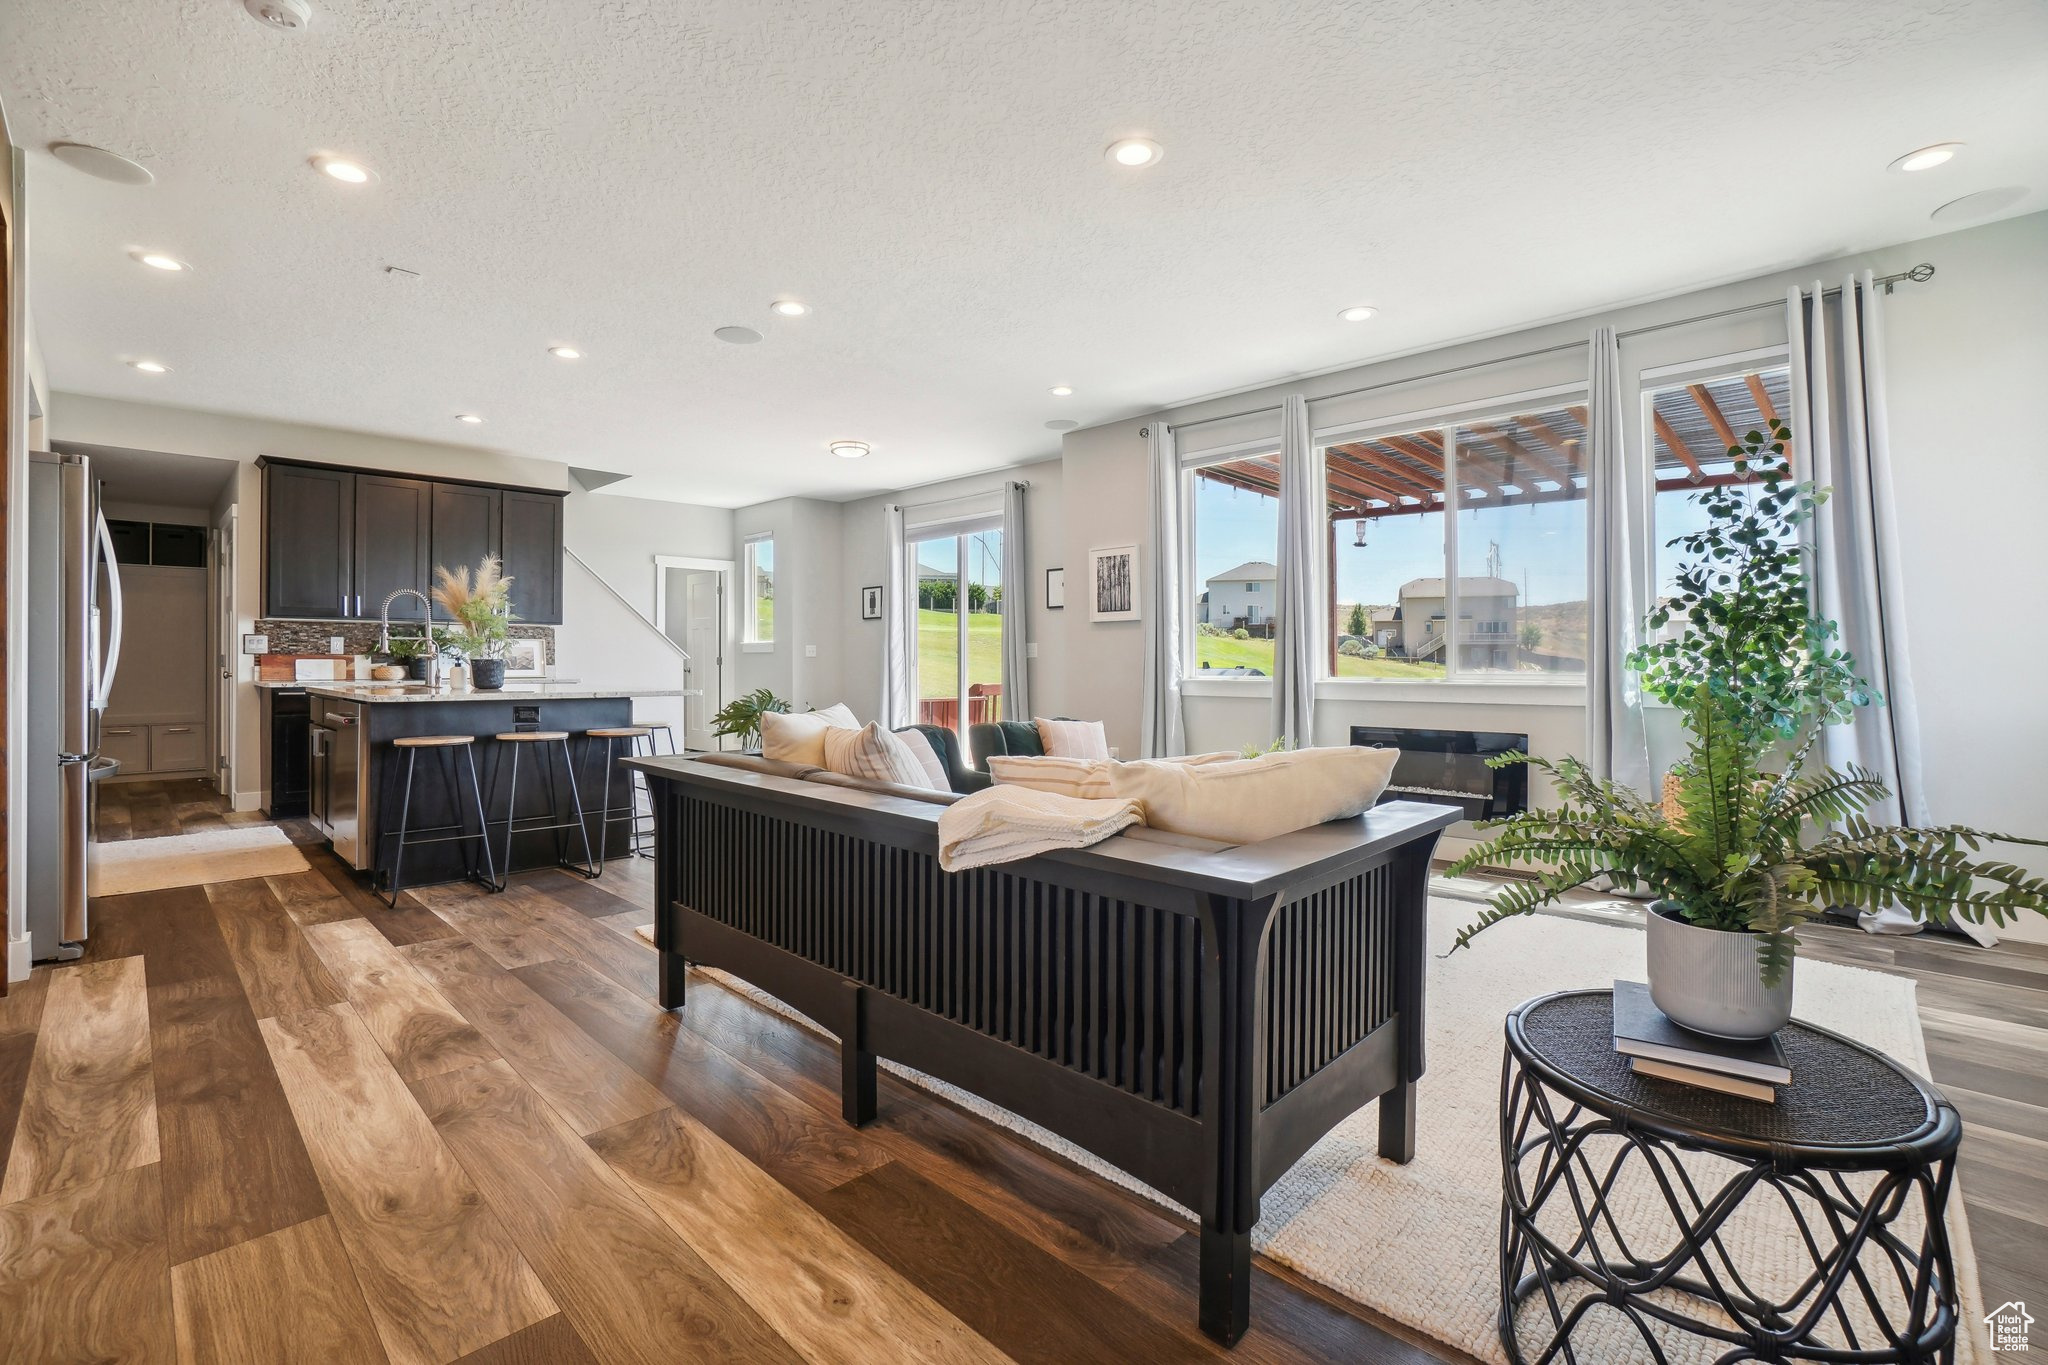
[(226, 647), (704, 637)]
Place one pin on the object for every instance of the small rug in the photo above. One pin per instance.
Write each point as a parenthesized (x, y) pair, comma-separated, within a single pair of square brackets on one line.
[(1420, 1243), (210, 855)]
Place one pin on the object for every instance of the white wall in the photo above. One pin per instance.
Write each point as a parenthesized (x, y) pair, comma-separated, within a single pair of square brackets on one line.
[(864, 563), (804, 664), (1966, 354)]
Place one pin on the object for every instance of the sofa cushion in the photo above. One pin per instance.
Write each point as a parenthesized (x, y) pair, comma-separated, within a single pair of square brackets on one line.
[(801, 738), (1233, 801), (877, 755), (920, 746), (1072, 738), (754, 763)]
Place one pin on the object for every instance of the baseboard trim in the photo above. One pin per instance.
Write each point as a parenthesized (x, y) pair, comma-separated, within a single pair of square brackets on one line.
[(19, 958), (248, 800)]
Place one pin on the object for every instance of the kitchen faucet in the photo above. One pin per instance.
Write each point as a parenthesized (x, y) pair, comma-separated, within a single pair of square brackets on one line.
[(426, 627)]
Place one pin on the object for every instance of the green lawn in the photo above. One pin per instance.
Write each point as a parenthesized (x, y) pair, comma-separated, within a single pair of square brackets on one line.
[(938, 651), (1212, 651)]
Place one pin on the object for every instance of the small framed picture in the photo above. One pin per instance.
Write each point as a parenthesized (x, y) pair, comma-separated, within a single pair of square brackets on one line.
[(870, 604), (1055, 589), (526, 659), (1113, 583)]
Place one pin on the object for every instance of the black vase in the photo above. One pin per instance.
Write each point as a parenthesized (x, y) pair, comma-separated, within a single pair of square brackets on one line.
[(416, 667), (487, 675)]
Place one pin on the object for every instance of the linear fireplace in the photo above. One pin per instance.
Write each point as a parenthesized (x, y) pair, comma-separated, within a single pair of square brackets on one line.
[(1449, 768)]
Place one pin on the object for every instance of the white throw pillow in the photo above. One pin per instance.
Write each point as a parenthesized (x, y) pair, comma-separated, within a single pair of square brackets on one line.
[(801, 738), (1072, 738), (874, 754), (1231, 800), (920, 746)]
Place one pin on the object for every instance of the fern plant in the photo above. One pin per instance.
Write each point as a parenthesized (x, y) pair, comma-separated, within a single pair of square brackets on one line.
[(1757, 843)]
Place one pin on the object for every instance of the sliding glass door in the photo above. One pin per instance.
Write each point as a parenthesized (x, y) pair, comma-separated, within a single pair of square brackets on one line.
[(958, 573)]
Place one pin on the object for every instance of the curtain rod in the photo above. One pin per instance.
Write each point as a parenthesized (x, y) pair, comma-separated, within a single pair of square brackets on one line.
[(1919, 274)]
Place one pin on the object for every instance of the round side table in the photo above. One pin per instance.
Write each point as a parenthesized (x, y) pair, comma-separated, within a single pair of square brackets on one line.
[(1623, 1194)]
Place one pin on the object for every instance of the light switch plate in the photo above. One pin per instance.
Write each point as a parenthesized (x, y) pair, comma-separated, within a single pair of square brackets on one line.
[(810, 651), (1031, 651), (255, 644)]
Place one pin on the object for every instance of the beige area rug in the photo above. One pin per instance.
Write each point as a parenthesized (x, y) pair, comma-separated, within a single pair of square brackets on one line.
[(1420, 1243), (210, 855)]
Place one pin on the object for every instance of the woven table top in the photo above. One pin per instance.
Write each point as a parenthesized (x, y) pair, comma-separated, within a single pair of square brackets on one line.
[(1842, 1095)]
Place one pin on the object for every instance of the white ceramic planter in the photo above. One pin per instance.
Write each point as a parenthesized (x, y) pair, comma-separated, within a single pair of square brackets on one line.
[(1709, 981)]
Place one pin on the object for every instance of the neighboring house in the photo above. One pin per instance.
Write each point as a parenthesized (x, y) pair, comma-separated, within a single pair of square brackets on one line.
[(1487, 608), (1386, 627), (1243, 596)]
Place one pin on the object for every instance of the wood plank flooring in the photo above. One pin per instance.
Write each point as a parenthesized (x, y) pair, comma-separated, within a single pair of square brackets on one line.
[(275, 1120)]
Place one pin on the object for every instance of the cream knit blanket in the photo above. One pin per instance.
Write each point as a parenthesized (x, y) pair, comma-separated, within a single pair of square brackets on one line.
[(1003, 824)]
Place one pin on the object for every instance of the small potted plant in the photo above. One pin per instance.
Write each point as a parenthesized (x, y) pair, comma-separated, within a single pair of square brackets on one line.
[(741, 717), (482, 609), (413, 651), (1755, 838)]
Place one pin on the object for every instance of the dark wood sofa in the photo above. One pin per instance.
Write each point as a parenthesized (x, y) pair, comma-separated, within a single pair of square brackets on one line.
[(1196, 1016)]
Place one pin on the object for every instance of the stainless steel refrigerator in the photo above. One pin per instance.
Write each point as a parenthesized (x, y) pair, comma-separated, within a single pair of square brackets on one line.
[(74, 645)]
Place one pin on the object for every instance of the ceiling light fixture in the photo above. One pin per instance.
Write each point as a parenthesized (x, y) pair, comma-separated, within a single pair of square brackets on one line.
[(290, 16), (849, 450), (1927, 158), (151, 366), (1133, 152), (789, 308), (1062, 391), (565, 353), (156, 260), (1359, 313), (468, 417), (342, 169)]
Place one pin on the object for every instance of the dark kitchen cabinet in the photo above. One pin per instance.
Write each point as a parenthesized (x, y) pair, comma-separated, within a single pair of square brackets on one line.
[(467, 526), (532, 550), (393, 525), (309, 538)]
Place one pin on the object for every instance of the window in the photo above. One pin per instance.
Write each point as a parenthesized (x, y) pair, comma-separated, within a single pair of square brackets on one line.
[(760, 622), (1235, 538), (1691, 426), (1515, 604), (958, 570)]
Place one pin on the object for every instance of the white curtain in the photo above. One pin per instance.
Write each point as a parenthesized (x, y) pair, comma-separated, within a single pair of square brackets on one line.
[(1841, 441), (1304, 541), (1163, 735), (899, 645), (1617, 744), (1016, 607)]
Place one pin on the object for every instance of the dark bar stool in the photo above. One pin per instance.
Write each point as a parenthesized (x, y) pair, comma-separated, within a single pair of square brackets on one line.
[(408, 838), (639, 826), (515, 740)]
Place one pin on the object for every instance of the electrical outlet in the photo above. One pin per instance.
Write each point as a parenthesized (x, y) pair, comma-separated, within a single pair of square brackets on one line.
[(255, 644), (810, 651), (336, 645)]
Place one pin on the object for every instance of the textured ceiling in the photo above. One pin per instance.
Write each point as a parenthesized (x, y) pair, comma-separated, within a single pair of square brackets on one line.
[(628, 175)]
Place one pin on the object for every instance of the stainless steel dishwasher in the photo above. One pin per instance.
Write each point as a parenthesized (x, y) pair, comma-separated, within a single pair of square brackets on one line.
[(339, 770)]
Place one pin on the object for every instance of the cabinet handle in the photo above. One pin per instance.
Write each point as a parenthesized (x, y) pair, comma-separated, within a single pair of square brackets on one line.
[(120, 732), (177, 729)]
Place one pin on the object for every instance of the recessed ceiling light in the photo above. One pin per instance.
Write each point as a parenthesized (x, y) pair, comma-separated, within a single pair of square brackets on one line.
[(151, 366), (1359, 313), (156, 260), (342, 169), (849, 450), (565, 353), (789, 308), (468, 417), (1927, 158), (102, 164), (1061, 424), (1062, 391), (738, 336), (1134, 152)]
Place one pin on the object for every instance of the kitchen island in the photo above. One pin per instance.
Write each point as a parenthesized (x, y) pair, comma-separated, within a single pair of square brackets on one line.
[(358, 775)]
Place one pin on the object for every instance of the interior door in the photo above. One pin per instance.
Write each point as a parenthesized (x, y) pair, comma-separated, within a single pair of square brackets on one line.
[(225, 651), (704, 637)]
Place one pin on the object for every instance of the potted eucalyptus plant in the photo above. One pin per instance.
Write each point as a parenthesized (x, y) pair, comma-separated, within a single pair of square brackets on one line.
[(1756, 836), (482, 608)]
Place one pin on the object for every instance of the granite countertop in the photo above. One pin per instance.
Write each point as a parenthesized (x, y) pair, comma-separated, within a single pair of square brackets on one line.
[(537, 690), (272, 684)]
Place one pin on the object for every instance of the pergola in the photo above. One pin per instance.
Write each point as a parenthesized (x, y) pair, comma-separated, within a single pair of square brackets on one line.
[(1524, 459)]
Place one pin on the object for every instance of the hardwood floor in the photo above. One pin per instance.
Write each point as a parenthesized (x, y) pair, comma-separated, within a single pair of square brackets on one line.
[(274, 1120)]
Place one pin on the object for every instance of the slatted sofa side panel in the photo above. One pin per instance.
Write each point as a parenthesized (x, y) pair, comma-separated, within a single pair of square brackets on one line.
[(1330, 976), (1104, 986)]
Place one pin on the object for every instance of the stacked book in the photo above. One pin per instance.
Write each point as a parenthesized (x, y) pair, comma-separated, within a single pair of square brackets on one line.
[(1657, 1047)]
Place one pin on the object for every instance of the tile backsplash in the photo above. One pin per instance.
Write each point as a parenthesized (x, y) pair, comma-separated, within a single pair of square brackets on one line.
[(360, 637)]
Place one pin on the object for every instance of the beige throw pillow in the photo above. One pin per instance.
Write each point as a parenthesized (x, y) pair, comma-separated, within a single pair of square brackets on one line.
[(801, 738), (874, 754), (1072, 738), (1233, 801), (920, 746)]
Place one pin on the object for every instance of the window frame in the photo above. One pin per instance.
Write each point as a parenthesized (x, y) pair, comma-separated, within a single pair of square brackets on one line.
[(961, 530), (1192, 587), (751, 641)]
